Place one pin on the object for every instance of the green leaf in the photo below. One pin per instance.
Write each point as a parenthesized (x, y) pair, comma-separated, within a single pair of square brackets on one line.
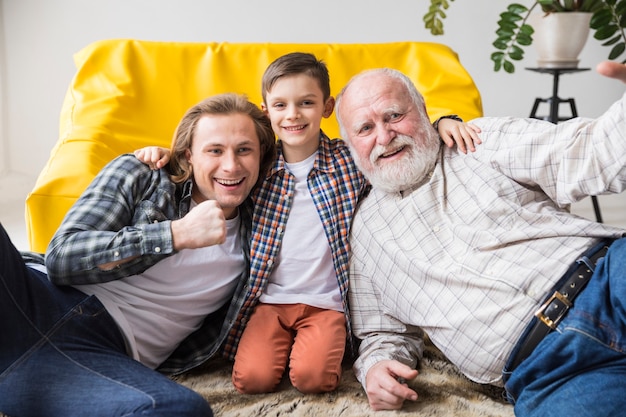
[(605, 32), (612, 41), (500, 44), (505, 32), (507, 25), (509, 67), (600, 19), (526, 29), (510, 17), (517, 8), (516, 53), (617, 50), (524, 39)]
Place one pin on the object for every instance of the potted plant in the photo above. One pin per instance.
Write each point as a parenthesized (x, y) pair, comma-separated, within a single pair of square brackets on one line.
[(515, 31)]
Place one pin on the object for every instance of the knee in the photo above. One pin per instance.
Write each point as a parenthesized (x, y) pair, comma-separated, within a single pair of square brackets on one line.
[(313, 380), (182, 402), (255, 381)]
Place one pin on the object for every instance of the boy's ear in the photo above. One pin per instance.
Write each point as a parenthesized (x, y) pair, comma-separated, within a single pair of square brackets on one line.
[(329, 106), (264, 108)]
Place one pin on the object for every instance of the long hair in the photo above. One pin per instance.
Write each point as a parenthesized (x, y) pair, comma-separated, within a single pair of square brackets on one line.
[(221, 104)]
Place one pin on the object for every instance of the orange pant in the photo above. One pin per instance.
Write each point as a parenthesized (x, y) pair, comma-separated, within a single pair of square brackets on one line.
[(313, 339)]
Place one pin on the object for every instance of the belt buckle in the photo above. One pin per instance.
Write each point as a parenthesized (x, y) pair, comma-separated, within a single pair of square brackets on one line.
[(547, 320)]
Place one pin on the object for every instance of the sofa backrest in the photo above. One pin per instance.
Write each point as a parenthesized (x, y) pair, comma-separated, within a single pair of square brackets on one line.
[(127, 94)]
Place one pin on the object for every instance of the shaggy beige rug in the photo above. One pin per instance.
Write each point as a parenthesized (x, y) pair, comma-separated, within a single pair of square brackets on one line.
[(442, 391)]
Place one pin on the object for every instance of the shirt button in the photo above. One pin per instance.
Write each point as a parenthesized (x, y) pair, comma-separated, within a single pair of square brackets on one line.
[(270, 262), (436, 229), (279, 230), (157, 249), (156, 221), (117, 254)]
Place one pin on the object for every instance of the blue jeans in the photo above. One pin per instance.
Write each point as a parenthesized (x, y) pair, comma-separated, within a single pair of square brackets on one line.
[(61, 354), (580, 368)]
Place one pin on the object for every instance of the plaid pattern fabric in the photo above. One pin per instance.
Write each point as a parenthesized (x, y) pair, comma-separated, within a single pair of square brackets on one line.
[(335, 185), (470, 253), (124, 212)]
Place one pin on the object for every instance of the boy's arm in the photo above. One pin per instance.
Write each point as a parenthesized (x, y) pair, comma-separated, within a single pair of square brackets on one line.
[(153, 156), (452, 130)]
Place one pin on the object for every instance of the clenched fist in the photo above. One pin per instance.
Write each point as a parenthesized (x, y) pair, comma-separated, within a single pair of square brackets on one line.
[(204, 225)]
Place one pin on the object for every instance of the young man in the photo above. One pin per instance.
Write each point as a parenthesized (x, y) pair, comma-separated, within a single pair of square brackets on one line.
[(480, 251), (147, 271)]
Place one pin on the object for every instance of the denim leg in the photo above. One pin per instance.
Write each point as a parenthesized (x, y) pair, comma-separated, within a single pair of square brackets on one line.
[(61, 354), (580, 369)]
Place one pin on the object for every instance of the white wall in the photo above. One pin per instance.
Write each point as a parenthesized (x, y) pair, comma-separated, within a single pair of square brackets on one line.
[(38, 38)]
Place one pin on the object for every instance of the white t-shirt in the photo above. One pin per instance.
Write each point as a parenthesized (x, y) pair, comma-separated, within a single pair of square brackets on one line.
[(157, 309), (304, 272)]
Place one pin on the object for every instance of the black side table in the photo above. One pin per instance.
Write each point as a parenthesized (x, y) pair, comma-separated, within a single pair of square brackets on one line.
[(554, 103)]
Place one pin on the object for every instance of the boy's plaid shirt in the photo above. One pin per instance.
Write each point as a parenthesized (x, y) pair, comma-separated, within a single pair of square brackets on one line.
[(336, 185)]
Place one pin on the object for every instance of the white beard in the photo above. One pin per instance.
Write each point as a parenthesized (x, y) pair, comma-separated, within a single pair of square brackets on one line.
[(402, 174)]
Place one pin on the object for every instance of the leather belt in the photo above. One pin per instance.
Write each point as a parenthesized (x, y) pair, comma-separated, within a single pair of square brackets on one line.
[(558, 304)]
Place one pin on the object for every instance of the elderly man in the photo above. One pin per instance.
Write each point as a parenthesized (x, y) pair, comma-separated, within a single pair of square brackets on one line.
[(147, 272), (480, 252)]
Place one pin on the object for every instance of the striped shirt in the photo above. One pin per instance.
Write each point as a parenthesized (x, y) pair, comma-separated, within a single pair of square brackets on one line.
[(335, 185), (469, 254)]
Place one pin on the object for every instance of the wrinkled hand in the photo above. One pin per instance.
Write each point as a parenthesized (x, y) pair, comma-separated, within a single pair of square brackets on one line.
[(612, 69), (204, 225), (383, 389), (153, 156), (464, 135)]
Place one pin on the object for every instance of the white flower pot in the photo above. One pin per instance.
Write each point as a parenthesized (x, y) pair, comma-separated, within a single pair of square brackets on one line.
[(559, 38)]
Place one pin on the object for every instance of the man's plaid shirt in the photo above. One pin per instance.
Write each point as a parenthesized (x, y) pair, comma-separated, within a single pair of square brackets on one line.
[(127, 211), (336, 185)]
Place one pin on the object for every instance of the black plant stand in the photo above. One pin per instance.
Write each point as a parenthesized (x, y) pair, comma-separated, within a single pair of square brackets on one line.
[(555, 102)]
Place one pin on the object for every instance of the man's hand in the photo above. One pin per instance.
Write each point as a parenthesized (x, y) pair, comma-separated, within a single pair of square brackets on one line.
[(383, 388), (612, 69), (204, 225), (153, 156)]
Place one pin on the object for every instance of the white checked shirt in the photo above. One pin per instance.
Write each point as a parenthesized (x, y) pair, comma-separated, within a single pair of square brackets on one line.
[(469, 254)]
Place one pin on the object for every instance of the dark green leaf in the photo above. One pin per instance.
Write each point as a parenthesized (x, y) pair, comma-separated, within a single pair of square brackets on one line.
[(526, 29), (605, 32), (617, 50), (498, 44), (600, 19), (612, 41), (510, 17), (509, 67), (524, 39), (517, 8), (505, 32)]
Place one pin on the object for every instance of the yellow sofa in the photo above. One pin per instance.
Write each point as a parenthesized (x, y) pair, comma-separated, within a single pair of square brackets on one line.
[(128, 94)]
